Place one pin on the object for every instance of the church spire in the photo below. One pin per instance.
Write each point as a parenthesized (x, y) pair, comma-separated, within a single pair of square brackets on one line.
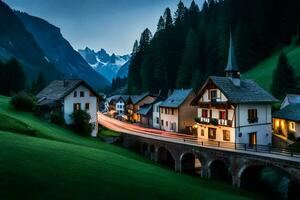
[(232, 68)]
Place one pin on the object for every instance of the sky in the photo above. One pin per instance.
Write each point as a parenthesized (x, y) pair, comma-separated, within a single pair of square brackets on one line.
[(110, 24)]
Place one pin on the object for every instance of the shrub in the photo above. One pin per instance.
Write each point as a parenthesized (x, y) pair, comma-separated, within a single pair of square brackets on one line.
[(81, 122), (23, 101), (57, 118), (197, 120)]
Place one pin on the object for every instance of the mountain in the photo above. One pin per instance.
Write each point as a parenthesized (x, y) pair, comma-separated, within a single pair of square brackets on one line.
[(58, 51), (16, 41), (123, 71), (105, 64)]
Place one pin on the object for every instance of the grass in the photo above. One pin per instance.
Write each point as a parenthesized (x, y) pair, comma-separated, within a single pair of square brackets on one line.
[(108, 133), (263, 72), (57, 164)]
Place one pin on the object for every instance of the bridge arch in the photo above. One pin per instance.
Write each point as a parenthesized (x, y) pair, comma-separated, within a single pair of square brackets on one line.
[(165, 157), (268, 178), (219, 170), (191, 163)]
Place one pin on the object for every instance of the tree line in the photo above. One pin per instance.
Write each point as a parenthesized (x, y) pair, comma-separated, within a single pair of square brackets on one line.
[(13, 79), (193, 44)]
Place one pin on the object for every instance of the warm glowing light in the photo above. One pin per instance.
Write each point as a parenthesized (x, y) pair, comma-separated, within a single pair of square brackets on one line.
[(277, 123), (195, 126), (282, 124)]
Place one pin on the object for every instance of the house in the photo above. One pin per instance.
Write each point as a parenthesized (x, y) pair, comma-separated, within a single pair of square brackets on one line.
[(231, 109), (136, 101), (176, 114), (156, 114), (145, 113), (287, 120), (66, 96)]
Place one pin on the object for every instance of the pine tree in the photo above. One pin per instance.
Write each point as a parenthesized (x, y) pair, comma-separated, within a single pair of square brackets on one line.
[(284, 79), (168, 19), (145, 40), (39, 84), (180, 13), (161, 24), (190, 61)]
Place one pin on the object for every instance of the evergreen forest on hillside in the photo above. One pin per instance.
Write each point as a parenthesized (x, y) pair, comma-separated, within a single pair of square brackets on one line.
[(192, 43)]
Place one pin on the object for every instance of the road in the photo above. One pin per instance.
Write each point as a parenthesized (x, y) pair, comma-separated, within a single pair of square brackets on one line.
[(132, 129)]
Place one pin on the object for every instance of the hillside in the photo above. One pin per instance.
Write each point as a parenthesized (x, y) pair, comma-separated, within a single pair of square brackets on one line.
[(59, 51), (263, 72), (57, 164)]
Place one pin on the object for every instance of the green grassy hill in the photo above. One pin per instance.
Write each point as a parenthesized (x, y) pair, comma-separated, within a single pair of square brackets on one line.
[(57, 164), (263, 72)]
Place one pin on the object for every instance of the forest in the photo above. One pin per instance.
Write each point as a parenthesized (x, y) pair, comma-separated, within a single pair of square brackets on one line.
[(192, 43)]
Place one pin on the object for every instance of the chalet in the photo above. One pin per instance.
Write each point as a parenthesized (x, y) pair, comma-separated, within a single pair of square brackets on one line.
[(231, 109), (136, 102), (66, 96), (287, 120), (117, 105), (176, 114)]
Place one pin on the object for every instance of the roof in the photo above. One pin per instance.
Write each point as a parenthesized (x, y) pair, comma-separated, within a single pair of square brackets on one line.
[(145, 109), (293, 98), (290, 112), (117, 97), (231, 63), (247, 92), (58, 89), (176, 98), (137, 98)]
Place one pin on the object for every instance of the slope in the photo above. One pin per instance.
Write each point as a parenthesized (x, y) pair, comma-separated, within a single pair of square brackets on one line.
[(263, 72), (59, 51), (56, 164)]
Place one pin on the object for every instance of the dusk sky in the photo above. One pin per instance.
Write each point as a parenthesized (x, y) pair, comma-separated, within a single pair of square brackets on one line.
[(109, 24)]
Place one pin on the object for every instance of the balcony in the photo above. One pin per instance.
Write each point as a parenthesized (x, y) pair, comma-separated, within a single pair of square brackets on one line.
[(213, 121)]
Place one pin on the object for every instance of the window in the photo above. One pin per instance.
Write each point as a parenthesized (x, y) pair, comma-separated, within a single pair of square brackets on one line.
[(161, 110), (222, 115), (292, 126), (157, 120), (167, 123), (162, 122), (252, 116), (91, 94), (76, 106), (226, 135), (202, 132), (172, 111), (81, 93), (212, 133), (157, 109), (87, 106), (205, 113), (213, 95), (75, 94)]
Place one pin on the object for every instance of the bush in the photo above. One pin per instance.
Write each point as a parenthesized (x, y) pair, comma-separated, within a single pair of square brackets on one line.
[(57, 118), (81, 123), (23, 101)]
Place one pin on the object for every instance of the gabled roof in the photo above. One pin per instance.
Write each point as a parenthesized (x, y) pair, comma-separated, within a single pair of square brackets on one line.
[(118, 97), (137, 98), (176, 98), (145, 109), (247, 92), (58, 89), (293, 98), (290, 112)]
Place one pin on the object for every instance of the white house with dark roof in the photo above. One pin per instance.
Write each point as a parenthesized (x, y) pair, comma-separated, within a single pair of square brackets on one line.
[(231, 109), (176, 114), (66, 96)]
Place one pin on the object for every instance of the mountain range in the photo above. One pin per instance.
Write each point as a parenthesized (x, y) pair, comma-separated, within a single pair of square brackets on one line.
[(40, 47), (109, 66)]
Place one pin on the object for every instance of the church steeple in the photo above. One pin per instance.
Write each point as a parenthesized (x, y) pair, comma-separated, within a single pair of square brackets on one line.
[(232, 68)]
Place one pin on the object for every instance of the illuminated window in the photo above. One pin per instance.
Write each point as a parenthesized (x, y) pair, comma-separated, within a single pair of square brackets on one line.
[(292, 126), (76, 106), (226, 135), (212, 133)]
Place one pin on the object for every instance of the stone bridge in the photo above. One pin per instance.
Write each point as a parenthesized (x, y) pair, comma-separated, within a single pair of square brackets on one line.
[(238, 168)]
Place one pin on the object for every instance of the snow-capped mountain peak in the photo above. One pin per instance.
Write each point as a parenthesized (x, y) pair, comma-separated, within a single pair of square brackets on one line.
[(105, 64)]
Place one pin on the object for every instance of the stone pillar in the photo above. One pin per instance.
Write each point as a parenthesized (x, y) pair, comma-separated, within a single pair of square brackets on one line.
[(236, 181), (178, 167)]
